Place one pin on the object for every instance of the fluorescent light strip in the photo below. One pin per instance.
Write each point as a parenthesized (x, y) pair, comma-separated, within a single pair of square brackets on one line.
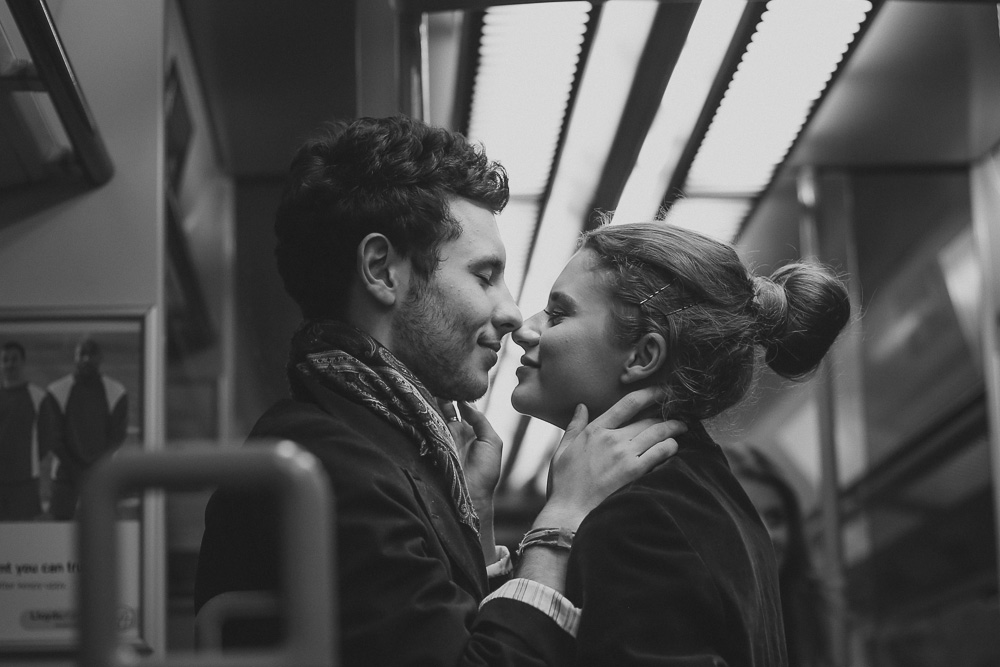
[(444, 30), (718, 217), (516, 224), (699, 61), (527, 62), (789, 62), (618, 43)]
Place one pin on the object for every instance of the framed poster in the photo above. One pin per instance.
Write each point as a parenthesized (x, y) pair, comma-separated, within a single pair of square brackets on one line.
[(71, 394)]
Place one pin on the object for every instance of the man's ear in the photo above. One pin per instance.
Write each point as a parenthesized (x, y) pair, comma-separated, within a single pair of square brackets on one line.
[(382, 272), (646, 358)]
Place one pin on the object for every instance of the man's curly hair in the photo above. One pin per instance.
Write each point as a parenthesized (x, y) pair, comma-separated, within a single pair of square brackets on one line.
[(394, 176)]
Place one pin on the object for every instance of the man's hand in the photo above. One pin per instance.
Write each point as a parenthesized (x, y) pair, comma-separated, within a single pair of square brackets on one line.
[(593, 460), (480, 449)]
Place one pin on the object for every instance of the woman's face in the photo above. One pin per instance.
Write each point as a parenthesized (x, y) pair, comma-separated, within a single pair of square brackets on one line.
[(570, 356), (772, 510)]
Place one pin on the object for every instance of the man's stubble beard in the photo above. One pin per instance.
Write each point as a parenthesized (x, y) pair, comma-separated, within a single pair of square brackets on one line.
[(431, 348)]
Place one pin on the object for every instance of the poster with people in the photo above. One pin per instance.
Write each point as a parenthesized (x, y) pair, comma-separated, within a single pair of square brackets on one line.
[(71, 390)]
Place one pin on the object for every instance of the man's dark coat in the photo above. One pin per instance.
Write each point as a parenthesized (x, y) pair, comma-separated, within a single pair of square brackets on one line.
[(409, 575)]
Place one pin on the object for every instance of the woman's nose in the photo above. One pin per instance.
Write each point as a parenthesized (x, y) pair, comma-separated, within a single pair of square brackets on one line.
[(528, 334)]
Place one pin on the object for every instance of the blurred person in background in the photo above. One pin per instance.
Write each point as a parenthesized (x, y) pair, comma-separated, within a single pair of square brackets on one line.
[(803, 601)]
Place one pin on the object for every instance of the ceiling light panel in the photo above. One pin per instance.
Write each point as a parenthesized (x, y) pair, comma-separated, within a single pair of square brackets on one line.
[(718, 217), (528, 57), (516, 224), (619, 40), (790, 60), (681, 105)]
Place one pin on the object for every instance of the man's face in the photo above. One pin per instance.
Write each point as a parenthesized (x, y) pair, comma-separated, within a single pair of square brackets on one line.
[(12, 365), (448, 331), (88, 358)]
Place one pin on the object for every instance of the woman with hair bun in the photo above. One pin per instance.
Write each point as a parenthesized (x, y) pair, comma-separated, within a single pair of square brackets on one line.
[(675, 568)]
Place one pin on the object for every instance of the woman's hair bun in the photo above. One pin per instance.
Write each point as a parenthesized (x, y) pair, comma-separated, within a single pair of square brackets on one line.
[(771, 308), (800, 311)]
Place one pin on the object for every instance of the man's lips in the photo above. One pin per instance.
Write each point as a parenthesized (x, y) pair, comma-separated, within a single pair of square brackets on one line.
[(494, 348), (494, 345), (525, 361)]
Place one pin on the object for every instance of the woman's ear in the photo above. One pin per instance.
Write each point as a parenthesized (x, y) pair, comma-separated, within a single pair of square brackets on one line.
[(382, 272), (646, 358)]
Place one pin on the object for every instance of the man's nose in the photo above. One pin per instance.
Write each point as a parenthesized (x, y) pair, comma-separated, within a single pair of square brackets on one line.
[(507, 316)]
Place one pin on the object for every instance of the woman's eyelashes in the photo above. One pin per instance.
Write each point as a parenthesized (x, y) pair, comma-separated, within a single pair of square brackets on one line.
[(554, 315)]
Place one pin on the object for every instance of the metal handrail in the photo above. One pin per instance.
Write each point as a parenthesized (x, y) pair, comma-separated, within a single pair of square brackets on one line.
[(212, 616), (306, 501)]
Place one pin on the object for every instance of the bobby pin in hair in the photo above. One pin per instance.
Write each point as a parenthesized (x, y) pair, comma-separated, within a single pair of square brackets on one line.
[(677, 310), (668, 313), (665, 286)]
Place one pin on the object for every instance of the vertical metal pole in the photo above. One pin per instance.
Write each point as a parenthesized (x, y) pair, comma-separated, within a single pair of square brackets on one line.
[(412, 45), (377, 38), (826, 410)]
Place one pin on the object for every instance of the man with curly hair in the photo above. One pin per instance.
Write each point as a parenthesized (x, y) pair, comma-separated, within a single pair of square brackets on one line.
[(387, 239)]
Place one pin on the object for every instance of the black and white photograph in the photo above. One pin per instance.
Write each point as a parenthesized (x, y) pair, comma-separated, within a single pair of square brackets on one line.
[(496, 333)]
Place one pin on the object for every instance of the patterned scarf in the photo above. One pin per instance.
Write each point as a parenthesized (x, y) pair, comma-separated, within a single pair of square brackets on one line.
[(337, 357)]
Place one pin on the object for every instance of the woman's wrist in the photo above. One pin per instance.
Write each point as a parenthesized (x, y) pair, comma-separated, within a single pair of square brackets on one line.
[(547, 538), (556, 515)]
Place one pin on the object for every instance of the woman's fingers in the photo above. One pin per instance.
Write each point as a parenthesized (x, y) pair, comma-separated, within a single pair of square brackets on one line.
[(654, 434), (628, 407), (657, 454), (650, 447)]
